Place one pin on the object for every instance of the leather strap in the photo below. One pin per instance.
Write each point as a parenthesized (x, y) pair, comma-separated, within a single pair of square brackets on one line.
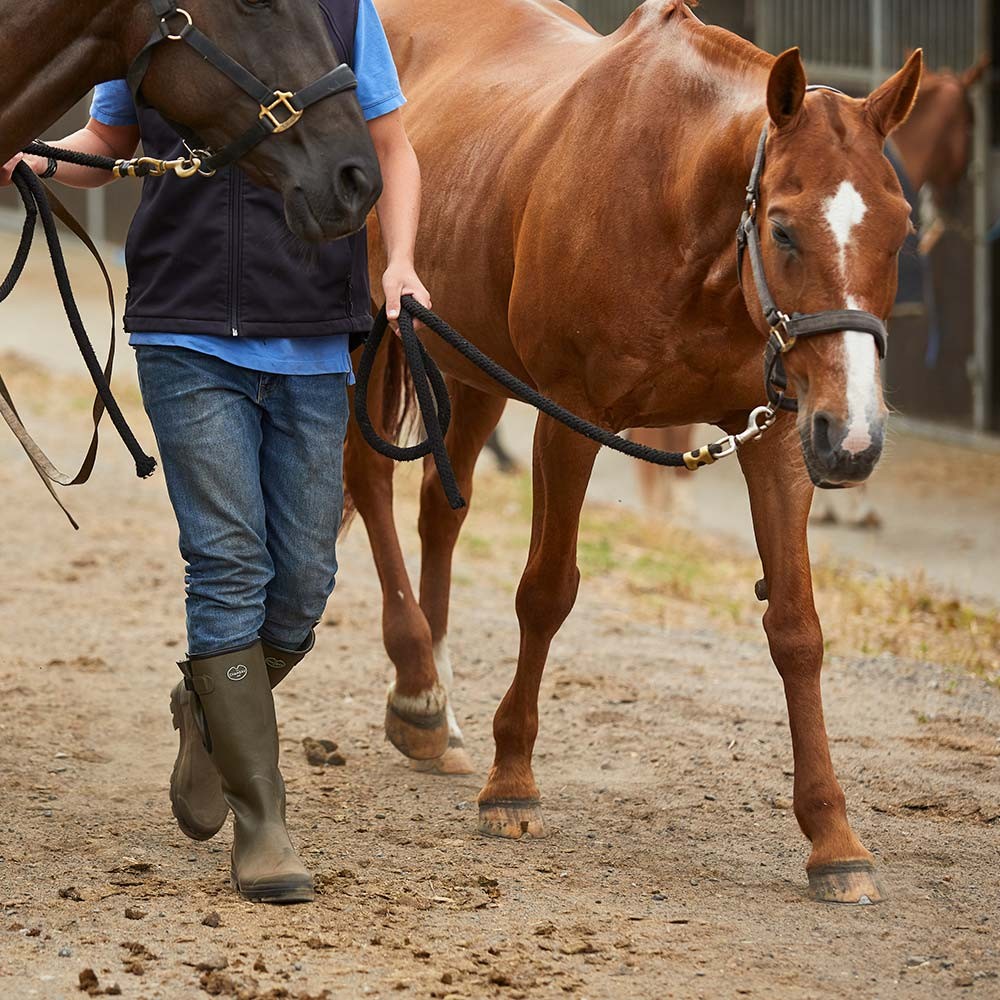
[(46, 469), (337, 81), (787, 330)]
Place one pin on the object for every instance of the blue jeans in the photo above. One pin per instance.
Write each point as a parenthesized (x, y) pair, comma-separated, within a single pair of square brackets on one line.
[(253, 464)]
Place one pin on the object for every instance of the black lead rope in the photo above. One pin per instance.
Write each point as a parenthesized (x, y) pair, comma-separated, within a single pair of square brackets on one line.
[(36, 205), (435, 406)]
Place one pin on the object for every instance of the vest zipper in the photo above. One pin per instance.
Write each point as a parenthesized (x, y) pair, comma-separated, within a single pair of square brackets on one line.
[(350, 279), (235, 248)]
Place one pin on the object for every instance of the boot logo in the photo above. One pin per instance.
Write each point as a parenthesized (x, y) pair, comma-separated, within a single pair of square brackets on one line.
[(274, 663), (237, 673)]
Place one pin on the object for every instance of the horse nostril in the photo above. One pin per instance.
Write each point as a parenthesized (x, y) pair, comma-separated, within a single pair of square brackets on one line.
[(822, 432), (353, 184)]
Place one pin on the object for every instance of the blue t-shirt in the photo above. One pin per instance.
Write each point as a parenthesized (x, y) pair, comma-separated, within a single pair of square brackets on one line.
[(379, 94)]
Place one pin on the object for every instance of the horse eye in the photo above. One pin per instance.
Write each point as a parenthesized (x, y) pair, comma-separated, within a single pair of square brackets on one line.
[(781, 237)]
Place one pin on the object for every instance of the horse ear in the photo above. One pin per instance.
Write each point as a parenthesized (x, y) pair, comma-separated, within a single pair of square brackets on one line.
[(972, 76), (786, 88), (890, 105)]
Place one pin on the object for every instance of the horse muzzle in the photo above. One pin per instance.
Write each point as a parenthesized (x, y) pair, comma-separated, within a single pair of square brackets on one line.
[(337, 209), (835, 459)]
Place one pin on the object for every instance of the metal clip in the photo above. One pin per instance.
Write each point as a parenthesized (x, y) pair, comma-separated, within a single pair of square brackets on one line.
[(165, 28), (284, 100), (760, 420)]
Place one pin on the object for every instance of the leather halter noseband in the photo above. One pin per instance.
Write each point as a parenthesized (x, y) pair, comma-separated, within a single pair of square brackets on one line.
[(785, 330), (279, 109)]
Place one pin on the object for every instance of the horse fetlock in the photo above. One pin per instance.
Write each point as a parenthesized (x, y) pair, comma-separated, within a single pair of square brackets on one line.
[(417, 725)]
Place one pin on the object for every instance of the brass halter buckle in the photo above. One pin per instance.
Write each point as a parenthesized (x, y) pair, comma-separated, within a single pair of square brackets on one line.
[(779, 331), (284, 100)]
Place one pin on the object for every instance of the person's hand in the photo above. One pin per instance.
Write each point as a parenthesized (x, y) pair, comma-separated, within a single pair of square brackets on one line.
[(7, 170), (400, 280)]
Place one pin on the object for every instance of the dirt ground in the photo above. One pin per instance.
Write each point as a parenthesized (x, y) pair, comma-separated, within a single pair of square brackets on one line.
[(674, 867)]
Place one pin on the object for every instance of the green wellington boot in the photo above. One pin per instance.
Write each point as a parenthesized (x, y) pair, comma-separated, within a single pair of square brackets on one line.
[(195, 787), (233, 704)]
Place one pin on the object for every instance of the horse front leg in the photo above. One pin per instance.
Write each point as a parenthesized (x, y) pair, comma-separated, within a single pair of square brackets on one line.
[(475, 415), (509, 804), (840, 869), (416, 720)]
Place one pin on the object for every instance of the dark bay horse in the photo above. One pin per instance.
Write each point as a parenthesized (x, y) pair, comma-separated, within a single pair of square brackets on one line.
[(582, 195), (53, 52)]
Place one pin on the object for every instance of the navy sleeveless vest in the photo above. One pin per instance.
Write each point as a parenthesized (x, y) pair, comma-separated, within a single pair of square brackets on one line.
[(215, 256)]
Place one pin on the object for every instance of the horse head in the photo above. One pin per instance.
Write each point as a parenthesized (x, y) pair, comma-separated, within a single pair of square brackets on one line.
[(832, 220), (935, 142), (325, 167)]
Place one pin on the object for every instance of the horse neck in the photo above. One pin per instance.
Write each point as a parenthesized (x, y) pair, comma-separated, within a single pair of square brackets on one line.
[(703, 123), (51, 54)]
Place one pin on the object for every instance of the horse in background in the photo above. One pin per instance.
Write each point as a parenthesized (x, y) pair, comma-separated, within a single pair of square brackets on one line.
[(933, 148), (581, 200)]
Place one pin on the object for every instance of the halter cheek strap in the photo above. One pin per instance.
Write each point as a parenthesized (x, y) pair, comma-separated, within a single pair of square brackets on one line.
[(280, 110), (787, 330)]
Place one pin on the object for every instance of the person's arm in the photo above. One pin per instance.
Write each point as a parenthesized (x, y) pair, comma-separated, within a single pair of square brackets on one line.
[(116, 141), (398, 211)]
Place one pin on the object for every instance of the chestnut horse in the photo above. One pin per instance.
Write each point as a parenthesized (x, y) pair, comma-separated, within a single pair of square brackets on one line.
[(53, 52), (582, 194), (934, 146)]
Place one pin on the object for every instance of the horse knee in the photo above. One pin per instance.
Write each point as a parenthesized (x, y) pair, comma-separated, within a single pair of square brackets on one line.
[(795, 640)]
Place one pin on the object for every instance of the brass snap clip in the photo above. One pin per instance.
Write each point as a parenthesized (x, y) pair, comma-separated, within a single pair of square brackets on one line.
[(284, 100)]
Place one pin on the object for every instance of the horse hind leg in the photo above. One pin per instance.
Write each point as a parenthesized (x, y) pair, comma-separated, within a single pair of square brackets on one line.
[(509, 804), (475, 416), (416, 721)]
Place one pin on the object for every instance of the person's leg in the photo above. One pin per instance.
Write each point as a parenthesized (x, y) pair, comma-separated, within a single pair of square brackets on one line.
[(304, 427), (206, 415), (207, 423)]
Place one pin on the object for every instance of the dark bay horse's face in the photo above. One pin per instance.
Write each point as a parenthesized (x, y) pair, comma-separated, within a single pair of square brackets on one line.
[(833, 220), (325, 166)]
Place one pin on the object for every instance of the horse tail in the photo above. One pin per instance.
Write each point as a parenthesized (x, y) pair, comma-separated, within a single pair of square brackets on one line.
[(392, 402)]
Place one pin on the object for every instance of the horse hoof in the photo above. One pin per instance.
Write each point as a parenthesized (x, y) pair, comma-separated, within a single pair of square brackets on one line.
[(870, 522), (851, 882), (454, 761), (418, 726), (512, 820)]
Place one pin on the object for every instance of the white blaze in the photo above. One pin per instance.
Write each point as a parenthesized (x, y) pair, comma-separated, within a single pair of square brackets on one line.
[(844, 211)]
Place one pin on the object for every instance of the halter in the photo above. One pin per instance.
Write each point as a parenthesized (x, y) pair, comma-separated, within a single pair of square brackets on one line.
[(280, 110), (786, 331)]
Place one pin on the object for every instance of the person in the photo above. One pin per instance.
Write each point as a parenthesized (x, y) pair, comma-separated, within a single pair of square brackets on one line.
[(242, 346)]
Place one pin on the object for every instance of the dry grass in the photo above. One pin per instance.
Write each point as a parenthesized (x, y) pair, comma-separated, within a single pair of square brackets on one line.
[(675, 577)]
